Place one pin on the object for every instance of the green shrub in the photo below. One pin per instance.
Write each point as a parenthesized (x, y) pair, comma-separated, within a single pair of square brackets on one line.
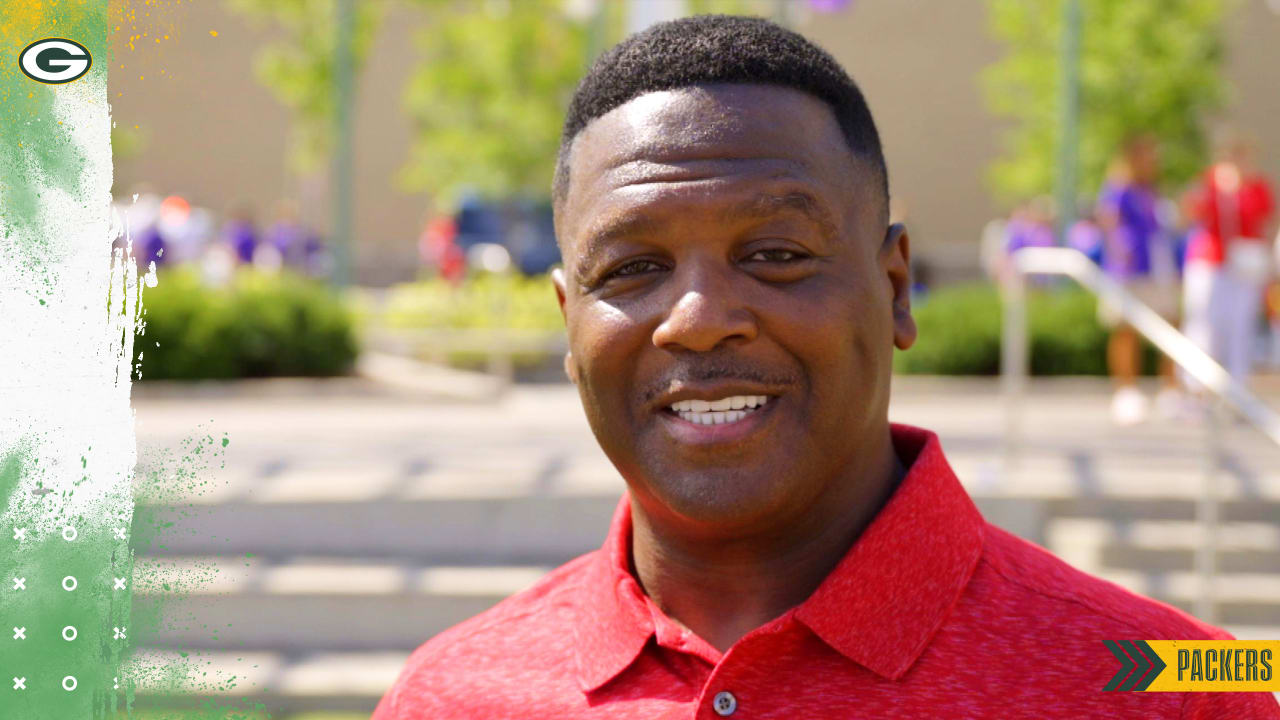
[(484, 301), (260, 325), (960, 333)]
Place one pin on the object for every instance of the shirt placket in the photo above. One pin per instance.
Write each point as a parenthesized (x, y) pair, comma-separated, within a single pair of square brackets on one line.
[(728, 693)]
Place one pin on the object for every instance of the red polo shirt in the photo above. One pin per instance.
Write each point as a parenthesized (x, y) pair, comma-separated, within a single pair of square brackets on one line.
[(932, 612)]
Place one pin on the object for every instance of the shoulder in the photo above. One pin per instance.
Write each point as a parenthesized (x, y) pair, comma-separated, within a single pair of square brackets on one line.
[(519, 640), (1027, 573)]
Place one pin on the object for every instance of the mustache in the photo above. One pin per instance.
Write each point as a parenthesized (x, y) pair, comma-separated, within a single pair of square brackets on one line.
[(714, 369)]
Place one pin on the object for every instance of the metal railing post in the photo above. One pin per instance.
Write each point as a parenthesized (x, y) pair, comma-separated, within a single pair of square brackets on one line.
[(1207, 515), (1013, 360)]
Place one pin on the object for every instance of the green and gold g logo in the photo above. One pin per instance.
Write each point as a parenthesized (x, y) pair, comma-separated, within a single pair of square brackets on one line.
[(54, 61)]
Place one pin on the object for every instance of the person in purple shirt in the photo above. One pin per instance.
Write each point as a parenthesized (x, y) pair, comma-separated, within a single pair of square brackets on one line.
[(240, 234), (1086, 236), (1030, 226), (1136, 253)]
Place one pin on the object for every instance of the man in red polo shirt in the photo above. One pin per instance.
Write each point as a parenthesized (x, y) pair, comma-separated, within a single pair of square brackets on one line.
[(733, 292)]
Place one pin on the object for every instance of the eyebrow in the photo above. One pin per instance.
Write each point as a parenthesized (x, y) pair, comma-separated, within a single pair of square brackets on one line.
[(762, 205)]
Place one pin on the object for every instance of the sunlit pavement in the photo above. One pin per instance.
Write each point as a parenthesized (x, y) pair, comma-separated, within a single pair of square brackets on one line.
[(374, 518)]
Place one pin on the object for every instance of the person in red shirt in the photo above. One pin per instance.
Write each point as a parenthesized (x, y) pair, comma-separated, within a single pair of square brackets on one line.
[(733, 292), (1228, 257)]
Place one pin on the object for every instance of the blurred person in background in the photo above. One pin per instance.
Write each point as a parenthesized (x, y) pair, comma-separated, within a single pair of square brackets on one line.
[(1228, 259), (291, 239), (1030, 225), (438, 249), (241, 234), (1271, 307), (183, 228), (1085, 234), (1136, 252)]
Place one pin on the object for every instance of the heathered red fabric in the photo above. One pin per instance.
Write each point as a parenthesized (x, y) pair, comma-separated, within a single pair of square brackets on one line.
[(931, 613)]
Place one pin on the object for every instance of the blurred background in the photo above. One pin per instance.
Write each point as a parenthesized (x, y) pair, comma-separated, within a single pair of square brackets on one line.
[(347, 206)]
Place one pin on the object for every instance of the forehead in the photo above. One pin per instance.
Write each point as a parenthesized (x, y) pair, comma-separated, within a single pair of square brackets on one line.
[(713, 136)]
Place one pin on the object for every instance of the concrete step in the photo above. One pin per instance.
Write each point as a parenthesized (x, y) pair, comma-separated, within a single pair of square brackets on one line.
[(474, 531), (1240, 598), (549, 530), (309, 605), (281, 682), (1171, 545), (1126, 556)]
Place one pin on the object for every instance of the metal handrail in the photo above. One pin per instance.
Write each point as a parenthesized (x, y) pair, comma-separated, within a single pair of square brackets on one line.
[(1178, 347)]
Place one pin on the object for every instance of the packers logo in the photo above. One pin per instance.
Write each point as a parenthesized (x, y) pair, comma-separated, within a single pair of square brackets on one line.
[(54, 61)]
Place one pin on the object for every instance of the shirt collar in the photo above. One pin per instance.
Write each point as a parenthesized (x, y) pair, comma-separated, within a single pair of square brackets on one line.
[(614, 623), (879, 607), (895, 586)]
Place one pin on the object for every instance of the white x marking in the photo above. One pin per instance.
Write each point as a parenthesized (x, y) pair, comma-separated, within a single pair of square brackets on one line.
[(20, 683), (119, 633), (19, 533), (20, 583), (119, 584), (120, 533), (20, 633)]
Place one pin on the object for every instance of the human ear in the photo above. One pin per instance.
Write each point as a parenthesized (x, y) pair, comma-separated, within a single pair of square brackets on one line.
[(557, 280), (895, 253)]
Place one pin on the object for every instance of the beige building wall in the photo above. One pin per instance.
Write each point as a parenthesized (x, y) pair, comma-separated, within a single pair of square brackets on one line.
[(212, 133)]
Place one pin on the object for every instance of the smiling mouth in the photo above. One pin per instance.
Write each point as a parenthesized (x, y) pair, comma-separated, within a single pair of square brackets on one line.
[(724, 411)]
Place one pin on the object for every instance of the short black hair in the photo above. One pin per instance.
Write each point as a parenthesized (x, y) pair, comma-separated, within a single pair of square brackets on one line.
[(709, 49)]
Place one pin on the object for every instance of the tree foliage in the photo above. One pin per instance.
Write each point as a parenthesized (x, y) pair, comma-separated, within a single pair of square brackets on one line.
[(1151, 66), (298, 68), (487, 100)]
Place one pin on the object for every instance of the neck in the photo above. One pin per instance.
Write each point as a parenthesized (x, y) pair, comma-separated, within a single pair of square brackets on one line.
[(722, 589)]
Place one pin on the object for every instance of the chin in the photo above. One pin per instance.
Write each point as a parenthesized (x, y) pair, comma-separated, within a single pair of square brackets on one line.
[(726, 499)]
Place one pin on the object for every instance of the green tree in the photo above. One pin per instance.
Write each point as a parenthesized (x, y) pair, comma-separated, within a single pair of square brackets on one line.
[(487, 101), (298, 68), (1152, 66)]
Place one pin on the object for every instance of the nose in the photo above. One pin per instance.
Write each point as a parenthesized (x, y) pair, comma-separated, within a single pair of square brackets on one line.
[(708, 311)]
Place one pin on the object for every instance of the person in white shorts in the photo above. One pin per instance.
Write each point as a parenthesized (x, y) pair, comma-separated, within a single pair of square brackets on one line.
[(1229, 260)]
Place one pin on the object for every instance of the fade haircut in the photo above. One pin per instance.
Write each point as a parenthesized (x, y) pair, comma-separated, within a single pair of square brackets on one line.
[(709, 49)]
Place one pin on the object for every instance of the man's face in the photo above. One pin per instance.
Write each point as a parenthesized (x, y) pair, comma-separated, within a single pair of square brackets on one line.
[(722, 242)]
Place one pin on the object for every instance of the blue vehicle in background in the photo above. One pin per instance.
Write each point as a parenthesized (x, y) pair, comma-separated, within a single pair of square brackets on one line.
[(524, 227)]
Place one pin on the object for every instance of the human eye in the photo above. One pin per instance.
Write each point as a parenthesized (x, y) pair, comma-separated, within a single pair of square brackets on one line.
[(778, 264), (777, 255), (631, 269)]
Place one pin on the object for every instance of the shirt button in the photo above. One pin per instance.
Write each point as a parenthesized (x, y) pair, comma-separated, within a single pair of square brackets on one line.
[(724, 703)]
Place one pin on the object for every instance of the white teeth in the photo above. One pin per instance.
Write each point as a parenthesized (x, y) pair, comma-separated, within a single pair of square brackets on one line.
[(737, 408), (735, 402)]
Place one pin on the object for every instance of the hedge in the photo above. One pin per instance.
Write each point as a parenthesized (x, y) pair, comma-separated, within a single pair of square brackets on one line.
[(485, 300), (265, 325), (259, 325), (959, 333)]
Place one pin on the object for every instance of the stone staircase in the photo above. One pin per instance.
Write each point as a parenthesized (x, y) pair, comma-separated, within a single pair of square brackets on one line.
[(348, 529)]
